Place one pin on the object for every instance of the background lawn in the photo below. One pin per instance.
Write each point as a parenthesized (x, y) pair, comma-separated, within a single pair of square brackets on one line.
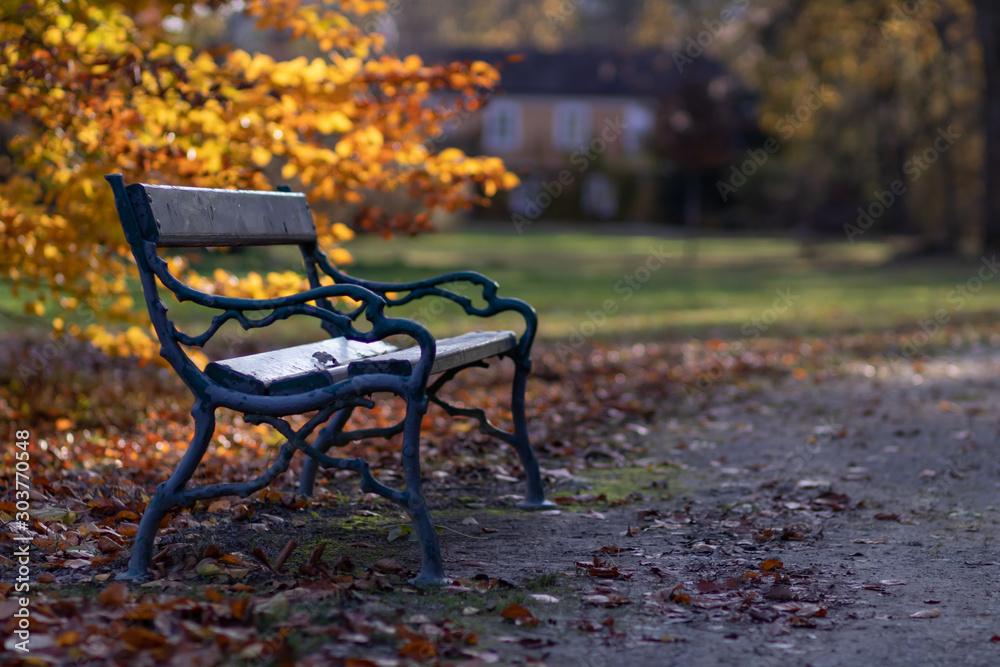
[(840, 289)]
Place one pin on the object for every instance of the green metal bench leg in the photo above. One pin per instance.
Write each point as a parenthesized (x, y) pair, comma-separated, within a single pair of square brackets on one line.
[(326, 439), (432, 567), (535, 498), (169, 494)]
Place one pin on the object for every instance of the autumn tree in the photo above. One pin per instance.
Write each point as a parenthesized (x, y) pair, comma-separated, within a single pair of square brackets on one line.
[(93, 87), (889, 77)]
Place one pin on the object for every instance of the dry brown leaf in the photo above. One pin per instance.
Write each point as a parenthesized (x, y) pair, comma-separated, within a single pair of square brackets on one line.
[(279, 563), (220, 506), (107, 545), (418, 649), (770, 564), (114, 595), (141, 638), (389, 566), (128, 529), (519, 615)]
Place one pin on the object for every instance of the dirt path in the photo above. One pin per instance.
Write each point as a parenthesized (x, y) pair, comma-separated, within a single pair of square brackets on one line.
[(876, 490)]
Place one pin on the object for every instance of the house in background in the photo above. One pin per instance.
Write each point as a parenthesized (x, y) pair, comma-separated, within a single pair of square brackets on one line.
[(577, 127), (593, 134), (573, 125)]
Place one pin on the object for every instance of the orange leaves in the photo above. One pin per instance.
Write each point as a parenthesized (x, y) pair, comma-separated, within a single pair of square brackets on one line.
[(114, 595), (770, 565), (418, 649), (251, 286), (111, 93), (519, 615)]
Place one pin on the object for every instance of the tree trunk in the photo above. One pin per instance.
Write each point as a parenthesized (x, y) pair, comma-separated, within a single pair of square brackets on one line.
[(988, 24)]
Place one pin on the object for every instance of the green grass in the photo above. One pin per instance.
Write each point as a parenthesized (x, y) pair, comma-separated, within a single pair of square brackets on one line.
[(570, 276), (732, 281)]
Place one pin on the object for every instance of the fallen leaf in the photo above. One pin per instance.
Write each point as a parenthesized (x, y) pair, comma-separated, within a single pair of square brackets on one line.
[(837, 501), (519, 615), (604, 572), (220, 506), (279, 562), (418, 649), (107, 545), (345, 564), (770, 564), (208, 568), (780, 591), (705, 586), (71, 638), (141, 638), (262, 558), (113, 595), (389, 566)]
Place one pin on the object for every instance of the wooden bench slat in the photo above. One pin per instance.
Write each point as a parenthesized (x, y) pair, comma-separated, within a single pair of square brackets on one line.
[(195, 217), (298, 369), (269, 372)]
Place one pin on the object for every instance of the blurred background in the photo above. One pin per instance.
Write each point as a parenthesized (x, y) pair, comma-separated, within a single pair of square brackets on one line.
[(841, 148), (764, 115), (834, 145)]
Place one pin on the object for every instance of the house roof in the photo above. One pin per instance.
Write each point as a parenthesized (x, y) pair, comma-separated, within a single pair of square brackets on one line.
[(586, 72)]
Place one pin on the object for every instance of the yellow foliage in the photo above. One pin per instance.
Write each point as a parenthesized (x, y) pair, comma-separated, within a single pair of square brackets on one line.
[(95, 87)]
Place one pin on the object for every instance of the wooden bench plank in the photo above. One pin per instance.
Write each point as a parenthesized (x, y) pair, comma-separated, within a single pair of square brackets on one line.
[(451, 352), (307, 367), (195, 217), (279, 370)]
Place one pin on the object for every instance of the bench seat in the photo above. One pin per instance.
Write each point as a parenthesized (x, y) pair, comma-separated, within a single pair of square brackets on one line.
[(314, 365)]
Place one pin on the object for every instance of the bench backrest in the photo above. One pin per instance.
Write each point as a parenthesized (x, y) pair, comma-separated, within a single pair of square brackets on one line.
[(190, 217)]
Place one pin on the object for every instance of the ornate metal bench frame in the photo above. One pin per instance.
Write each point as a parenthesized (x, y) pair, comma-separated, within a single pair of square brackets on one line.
[(187, 209)]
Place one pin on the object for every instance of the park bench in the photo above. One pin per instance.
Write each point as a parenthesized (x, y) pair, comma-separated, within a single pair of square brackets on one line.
[(324, 381)]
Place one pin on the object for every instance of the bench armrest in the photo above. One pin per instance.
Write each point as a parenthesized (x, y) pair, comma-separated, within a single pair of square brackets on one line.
[(434, 287), (235, 308)]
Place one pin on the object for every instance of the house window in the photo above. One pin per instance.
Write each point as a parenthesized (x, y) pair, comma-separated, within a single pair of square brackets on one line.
[(502, 126), (639, 121), (572, 126)]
